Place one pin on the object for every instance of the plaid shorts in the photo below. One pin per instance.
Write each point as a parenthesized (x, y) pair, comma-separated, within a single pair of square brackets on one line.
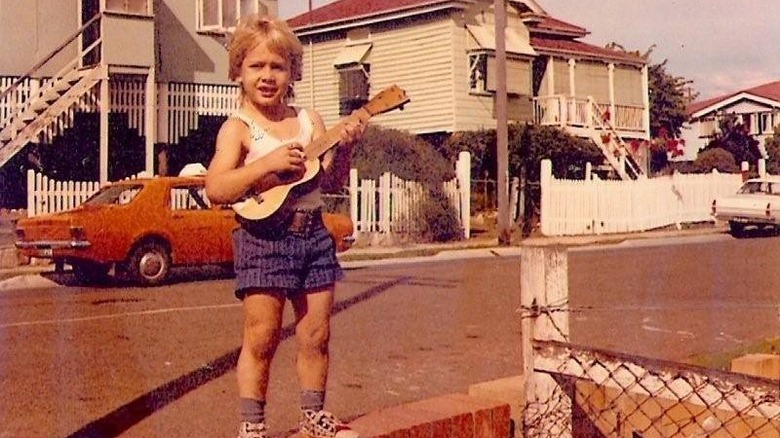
[(286, 261)]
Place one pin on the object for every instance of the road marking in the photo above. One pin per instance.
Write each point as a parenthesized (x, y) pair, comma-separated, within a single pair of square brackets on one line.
[(117, 315)]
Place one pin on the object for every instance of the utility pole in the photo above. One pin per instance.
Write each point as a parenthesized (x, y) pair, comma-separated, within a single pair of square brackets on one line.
[(502, 135)]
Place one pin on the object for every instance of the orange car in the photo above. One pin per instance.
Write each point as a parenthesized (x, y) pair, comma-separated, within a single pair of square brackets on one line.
[(143, 227)]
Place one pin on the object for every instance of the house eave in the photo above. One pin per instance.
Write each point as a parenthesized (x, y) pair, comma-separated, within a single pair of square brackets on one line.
[(384, 16), (717, 106), (575, 54)]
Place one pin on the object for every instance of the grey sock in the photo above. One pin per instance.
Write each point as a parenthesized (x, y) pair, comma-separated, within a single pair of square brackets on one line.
[(251, 410), (312, 400)]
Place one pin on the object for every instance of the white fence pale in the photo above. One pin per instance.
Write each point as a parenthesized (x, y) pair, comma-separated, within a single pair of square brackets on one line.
[(389, 205), (582, 207), (45, 195), (393, 205)]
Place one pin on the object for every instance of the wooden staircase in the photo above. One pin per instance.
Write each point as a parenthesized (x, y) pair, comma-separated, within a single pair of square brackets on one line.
[(46, 106), (44, 109), (616, 151)]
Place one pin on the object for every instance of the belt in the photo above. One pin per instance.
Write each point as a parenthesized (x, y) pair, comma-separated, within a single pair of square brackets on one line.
[(304, 221)]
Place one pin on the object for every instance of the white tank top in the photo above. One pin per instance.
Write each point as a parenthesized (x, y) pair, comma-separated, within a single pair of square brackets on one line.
[(263, 142)]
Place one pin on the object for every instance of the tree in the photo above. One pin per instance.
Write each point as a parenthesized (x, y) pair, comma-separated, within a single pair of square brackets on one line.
[(733, 136), (773, 153), (669, 97)]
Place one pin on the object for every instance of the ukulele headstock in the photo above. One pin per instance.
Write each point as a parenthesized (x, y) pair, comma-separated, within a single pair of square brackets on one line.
[(387, 100)]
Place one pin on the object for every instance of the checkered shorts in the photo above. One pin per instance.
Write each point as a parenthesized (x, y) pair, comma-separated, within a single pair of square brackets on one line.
[(286, 261)]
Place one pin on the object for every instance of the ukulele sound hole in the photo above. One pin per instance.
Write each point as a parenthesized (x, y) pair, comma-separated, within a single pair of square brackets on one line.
[(289, 176)]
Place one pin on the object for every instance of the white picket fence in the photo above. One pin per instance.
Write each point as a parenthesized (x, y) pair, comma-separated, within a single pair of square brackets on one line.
[(387, 205), (47, 195), (393, 205), (594, 206)]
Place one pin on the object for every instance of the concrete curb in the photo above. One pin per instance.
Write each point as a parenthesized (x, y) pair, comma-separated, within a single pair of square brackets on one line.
[(356, 258)]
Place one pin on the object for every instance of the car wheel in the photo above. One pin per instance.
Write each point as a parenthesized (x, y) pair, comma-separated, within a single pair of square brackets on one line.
[(89, 272), (737, 229), (148, 264)]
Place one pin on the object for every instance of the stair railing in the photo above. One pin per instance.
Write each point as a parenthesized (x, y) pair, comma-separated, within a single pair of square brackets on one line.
[(50, 83), (11, 88), (602, 122)]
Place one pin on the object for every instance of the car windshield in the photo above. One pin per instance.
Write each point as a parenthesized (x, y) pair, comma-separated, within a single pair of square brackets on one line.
[(762, 187), (116, 195)]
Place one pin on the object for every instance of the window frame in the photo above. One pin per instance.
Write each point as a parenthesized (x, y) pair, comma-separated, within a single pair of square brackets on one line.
[(346, 103), (478, 71), (220, 26), (125, 11)]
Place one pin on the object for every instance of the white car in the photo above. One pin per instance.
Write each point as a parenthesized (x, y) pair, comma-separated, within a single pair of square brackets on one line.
[(756, 204)]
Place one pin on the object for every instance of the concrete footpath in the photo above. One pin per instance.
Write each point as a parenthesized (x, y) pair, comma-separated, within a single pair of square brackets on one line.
[(28, 276)]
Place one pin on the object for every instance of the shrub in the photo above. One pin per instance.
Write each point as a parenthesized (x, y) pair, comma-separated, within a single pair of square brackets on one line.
[(480, 144), (401, 153), (440, 221), (409, 157), (715, 158)]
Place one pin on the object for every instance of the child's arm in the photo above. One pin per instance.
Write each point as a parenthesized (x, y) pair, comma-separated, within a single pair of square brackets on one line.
[(227, 180)]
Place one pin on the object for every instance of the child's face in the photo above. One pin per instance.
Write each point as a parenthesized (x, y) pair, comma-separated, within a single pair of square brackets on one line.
[(265, 76)]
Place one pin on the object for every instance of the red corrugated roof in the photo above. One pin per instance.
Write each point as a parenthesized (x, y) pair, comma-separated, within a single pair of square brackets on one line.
[(556, 25), (558, 45), (350, 9), (769, 90), (343, 10)]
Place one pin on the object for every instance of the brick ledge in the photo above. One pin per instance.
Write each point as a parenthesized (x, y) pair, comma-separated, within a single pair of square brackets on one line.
[(449, 416)]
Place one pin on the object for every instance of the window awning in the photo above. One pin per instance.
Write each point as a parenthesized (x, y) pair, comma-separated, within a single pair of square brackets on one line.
[(354, 54), (515, 41)]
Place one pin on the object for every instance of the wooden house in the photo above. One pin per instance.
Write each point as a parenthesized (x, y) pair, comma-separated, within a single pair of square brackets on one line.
[(87, 84), (757, 108), (95, 82), (442, 52)]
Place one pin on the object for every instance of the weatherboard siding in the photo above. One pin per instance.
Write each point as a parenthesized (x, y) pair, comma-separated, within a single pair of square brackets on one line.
[(318, 69), (417, 59), (413, 57)]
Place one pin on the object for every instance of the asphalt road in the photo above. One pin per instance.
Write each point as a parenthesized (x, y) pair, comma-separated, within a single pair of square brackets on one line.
[(134, 362), (677, 299)]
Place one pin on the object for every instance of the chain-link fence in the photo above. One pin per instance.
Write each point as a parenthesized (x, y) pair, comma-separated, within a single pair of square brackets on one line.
[(578, 391)]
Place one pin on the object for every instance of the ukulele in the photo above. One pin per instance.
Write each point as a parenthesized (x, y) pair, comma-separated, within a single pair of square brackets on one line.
[(269, 201)]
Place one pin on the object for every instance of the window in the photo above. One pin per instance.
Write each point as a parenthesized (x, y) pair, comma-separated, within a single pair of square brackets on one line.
[(354, 76), (765, 123), (353, 88), (482, 74), (189, 198), (222, 15), (116, 194), (478, 72), (482, 59), (137, 7)]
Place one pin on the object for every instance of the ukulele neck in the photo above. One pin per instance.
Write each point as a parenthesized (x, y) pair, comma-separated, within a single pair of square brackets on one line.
[(333, 135)]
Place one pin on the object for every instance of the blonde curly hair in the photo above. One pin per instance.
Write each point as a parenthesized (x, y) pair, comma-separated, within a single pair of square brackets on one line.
[(255, 29)]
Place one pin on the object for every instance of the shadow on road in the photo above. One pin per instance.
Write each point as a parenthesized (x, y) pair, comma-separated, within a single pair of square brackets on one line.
[(123, 418)]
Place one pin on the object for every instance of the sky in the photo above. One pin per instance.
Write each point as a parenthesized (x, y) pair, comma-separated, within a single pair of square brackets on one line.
[(723, 46)]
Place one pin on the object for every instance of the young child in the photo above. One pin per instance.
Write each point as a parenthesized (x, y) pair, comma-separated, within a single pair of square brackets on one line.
[(296, 260)]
